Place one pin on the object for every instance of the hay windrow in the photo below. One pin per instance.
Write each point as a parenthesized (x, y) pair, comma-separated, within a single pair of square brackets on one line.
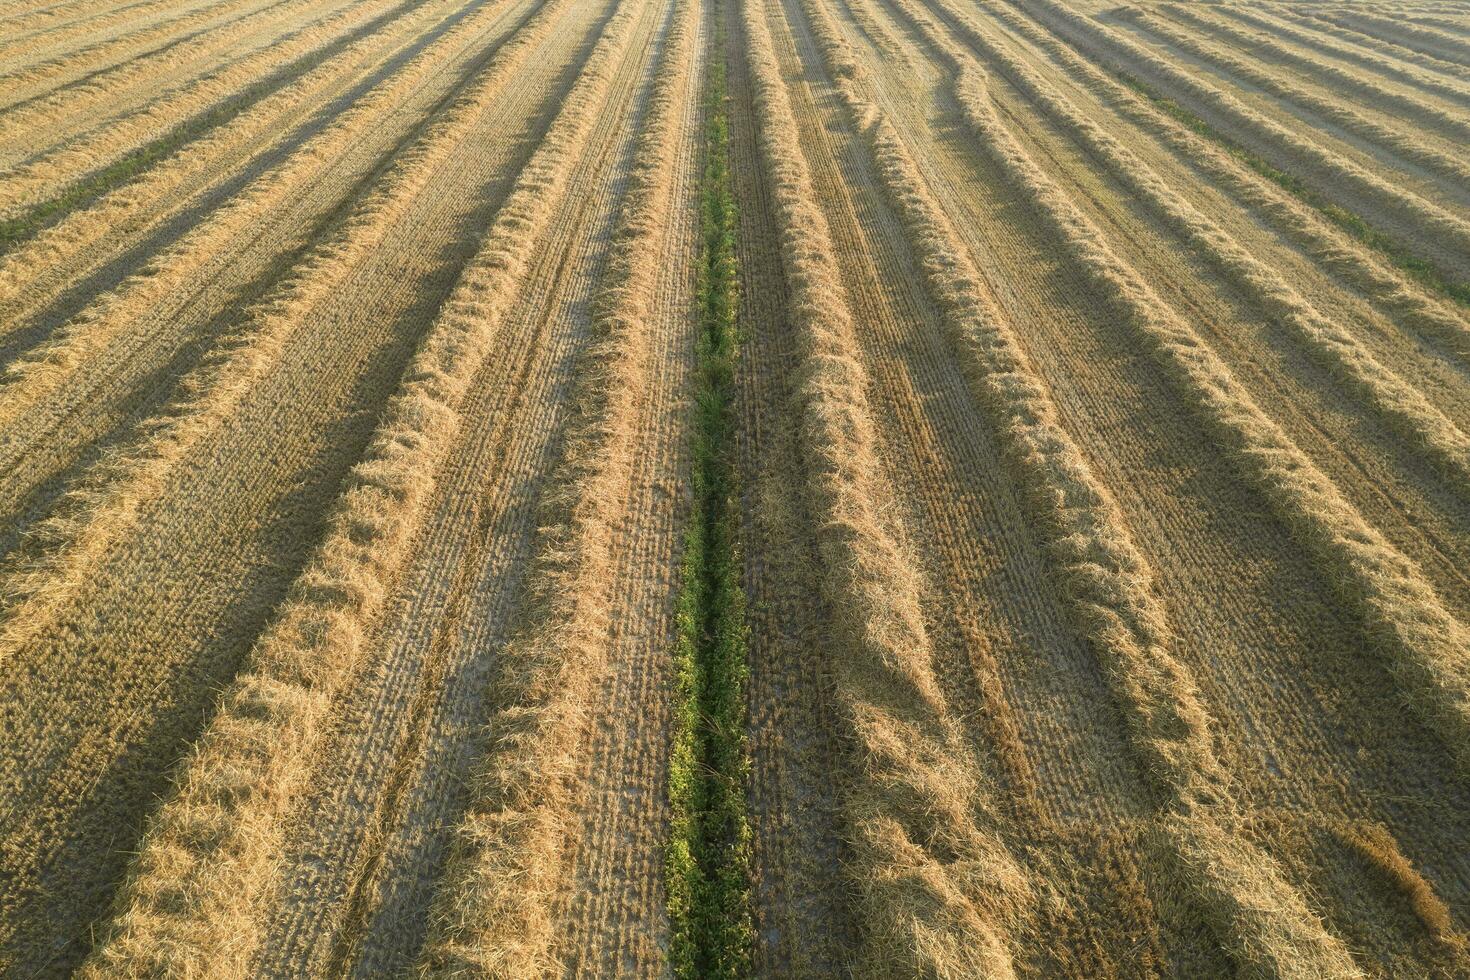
[(1400, 612), (494, 914), (1447, 233), (936, 886), (1305, 218), (1104, 576), (1357, 40), (1372, 91), (1418, 38), (444, 538), (49, 183), (1332, 345), (106, 506), (29, 117), (93, 202), (1431, 118), (217, 839)]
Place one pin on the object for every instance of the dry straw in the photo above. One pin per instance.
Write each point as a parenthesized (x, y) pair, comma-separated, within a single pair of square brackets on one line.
[(1331, 345), (29, 273), (40, 100), (51, 19), (935, 885), (1406, 145), (1330, 246), (1447, 234), (1402, 616), (495, 911), (87, 525), (193, 900), (1443, 47), (1274, 29), (1357, 40), (1227, 22), (33, 38), (46, 174), (1106, 580)]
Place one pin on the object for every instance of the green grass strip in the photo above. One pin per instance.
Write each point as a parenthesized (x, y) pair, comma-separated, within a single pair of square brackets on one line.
[(1419, 269), (709, 852)]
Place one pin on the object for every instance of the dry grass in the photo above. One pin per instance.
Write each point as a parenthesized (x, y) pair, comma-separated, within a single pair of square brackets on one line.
[(81, 533), (1339, 178), (494, 915), (36, 20), (108, 74), (1399, 609), (1425, 40), (1358, 41), (1376, 846), (936, 886), (1336, 251), (1331, 344), (1105, 578), (1239, 26), (1404, 110), (32, 34), (46, 174), (216, 843), (1094, 463), (54, 244), (1271, 26)]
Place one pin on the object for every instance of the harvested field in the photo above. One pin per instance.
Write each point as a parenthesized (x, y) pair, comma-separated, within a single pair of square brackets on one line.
[(945, 488)]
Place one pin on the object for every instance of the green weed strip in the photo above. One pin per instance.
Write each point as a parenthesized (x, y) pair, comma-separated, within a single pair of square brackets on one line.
[(709, 852)]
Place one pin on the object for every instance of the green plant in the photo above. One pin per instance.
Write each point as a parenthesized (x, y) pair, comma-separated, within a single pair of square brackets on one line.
[(708, 861)]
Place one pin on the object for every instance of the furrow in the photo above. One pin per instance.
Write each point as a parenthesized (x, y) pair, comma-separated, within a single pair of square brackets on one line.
[(1409, 146), (803, 908), (83, 533), (614, 915), (1106, 579), (707, 859), (1256, 30), (1424, 40), (108, 70), (1443, 235), (175, 116), (1400, 612), (935, 884), (1338, 252), (53, 257), (1332, 345), (216, 839)]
